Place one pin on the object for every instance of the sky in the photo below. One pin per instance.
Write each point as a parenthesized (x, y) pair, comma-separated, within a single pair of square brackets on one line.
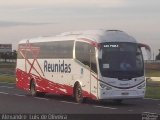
[(20, 19)]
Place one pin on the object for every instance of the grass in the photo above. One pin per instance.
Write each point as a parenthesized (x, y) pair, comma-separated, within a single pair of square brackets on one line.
[(152, 73), (7, 78), (7, 65), (153, 92), (7, 72)]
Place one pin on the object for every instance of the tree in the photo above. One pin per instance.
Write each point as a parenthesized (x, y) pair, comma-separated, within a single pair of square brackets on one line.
[(10, 56), (14, 54), (5, 56), (0, 56)]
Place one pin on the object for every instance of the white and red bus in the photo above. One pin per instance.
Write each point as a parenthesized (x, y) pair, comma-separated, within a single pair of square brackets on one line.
[(97, 64)]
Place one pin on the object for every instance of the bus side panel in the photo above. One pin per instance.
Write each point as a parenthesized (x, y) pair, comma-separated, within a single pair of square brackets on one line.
[(42, 84), (48, 86), (53, 82), (22, 79)]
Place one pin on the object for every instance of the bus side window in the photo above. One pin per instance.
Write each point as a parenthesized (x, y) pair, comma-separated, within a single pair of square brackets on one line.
[(56, 49), (93, 59), (85, 53), (82, 53)]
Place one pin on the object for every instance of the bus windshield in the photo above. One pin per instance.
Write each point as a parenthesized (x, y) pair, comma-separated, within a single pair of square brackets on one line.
[(122, 60)]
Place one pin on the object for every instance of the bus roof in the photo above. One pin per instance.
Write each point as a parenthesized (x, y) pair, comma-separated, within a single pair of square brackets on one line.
[(98, 36)]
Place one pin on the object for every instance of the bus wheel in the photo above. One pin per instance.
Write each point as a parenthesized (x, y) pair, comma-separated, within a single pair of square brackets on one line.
[(78, 94), (33, 89)]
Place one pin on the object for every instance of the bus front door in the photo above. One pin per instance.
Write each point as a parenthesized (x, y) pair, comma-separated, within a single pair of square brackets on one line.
[(93, 75)]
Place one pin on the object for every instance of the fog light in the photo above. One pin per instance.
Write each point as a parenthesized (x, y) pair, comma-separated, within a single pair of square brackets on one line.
[(141, 86), (108, 88), (105, 86), (102, 85)]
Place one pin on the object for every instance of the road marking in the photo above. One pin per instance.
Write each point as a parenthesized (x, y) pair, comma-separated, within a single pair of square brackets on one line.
[(12, 94), (92, 106), (20, 95), (7, 83), (41, 98), (150, 99), (6, 87), (60, 101), (147, 112), (69, 102), (130, 110), (105, 107), (4, 93)]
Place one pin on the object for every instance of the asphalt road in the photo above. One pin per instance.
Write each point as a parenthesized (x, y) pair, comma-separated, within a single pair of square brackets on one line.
[(13, 100)]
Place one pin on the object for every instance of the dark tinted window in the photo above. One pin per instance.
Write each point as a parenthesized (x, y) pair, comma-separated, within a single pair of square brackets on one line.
[(121, 60), (85, 53), (57, 49)]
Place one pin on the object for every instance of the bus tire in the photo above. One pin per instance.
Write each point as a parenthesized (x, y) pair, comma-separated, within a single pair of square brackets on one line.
[(78, 93), (33, 89)]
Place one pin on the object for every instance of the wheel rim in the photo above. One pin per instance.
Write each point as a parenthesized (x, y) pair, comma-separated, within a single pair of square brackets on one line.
[(33, 89), (79, 94)]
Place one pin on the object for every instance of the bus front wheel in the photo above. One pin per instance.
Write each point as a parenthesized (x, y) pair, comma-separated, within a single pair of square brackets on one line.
[(78, 93)]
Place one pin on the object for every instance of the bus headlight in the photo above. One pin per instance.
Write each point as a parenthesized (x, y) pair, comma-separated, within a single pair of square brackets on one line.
[(141, 86), (108, 88), (105, 86)]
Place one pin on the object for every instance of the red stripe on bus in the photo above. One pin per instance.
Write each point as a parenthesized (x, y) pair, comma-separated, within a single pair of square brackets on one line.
[(45, 85), (95, 44)]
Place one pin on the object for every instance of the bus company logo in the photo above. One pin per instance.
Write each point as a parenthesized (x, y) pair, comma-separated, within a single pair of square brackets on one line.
[(61, 67)]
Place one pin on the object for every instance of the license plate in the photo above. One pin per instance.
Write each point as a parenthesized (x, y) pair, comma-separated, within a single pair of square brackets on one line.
[(125, 93)]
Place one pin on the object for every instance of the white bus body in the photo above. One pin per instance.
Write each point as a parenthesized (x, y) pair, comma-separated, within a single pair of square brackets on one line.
[(99, 64)]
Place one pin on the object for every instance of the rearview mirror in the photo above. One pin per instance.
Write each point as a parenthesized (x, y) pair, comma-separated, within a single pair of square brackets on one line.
[(138, 53), (147, 48)]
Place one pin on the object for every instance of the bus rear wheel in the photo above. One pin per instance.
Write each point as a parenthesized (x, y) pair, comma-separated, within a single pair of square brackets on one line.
[(33, 89), (34, 92), (78, 94)]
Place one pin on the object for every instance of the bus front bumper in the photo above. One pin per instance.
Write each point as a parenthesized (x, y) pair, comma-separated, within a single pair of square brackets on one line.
[(122, 94)]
